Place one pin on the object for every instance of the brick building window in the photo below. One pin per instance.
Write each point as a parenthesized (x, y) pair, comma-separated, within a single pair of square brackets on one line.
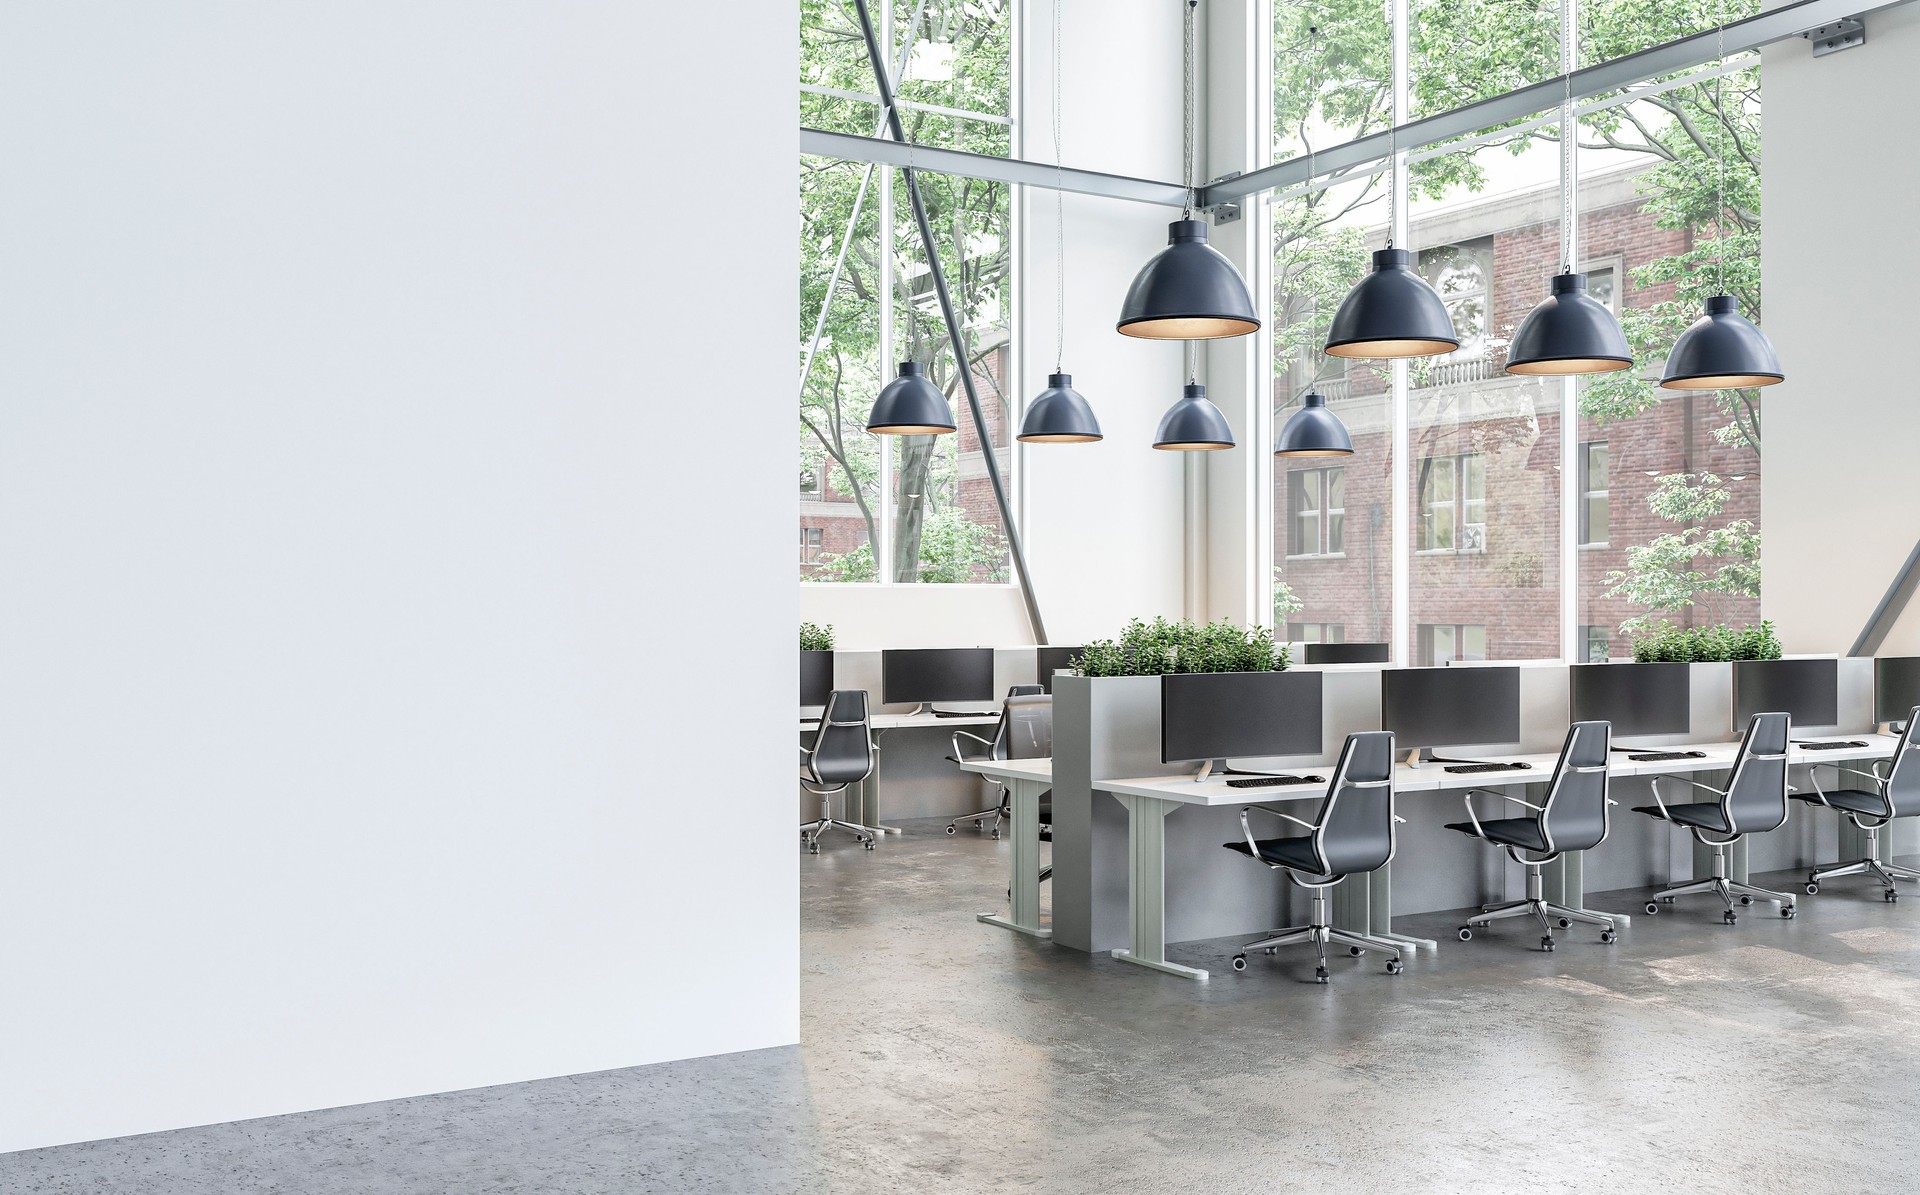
[(1463, 273), (1317, 512), (1316, 632), (1596, 644), (809, 483), (1453, 504), (1593, 494), (1443, 643), (810, 545)]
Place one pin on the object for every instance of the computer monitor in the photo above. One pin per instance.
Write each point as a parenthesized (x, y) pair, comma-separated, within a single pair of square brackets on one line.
[(1349, 653), (1207, 716), (1636, 698), (1450, 707), (1051, 659), (816, 677), (1896, 687), (926, 675), (1808, 690)]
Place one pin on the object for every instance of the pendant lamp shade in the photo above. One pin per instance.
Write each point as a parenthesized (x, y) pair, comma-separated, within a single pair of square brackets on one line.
[(1059, 415), (1193, 425), (1721, 351), (910, 405), (1391, 313), (1189, 291), (1570, 332), (1314, 430)]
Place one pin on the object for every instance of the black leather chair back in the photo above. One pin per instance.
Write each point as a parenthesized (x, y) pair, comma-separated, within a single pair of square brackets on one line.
[(1574, 816), (843, 746), (1026, 727), (1756, 799), (1903, 781), (1354, 832)]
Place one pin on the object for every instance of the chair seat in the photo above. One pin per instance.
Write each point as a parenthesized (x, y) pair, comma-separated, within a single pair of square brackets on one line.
[(1704, 814), (1296, 853), (1853, 800), (1523, 832)]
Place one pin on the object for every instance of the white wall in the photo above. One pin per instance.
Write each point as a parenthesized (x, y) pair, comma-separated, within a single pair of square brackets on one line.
[(1841, 511), (348, 666), (1103, 522)]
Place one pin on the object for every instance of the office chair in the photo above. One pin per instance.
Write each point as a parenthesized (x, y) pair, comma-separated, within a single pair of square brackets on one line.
[(1353, 834), (1753, 802), (1896, 794), (841, 755), (1574, 818), (1021, 738)]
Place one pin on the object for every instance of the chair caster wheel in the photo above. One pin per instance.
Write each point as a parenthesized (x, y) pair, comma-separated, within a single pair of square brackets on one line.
[(1546, 944), (1608, 937), (1653, 907), (951, 829), (1239, 962), (1466, 933), (867, 842), (1272, 950), (813, 849), (1746, 900), (996, 836), (1813, 889), (1564, 923), (1892, 896), (1320, 975), (1788, 912), (1395, 966), (1355, 951), (1729, 917)]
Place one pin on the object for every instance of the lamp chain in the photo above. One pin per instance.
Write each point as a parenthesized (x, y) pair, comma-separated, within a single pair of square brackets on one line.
[(1187, 131), (1059, 212), (1393, 144), (1569, 176), (1720, 156)]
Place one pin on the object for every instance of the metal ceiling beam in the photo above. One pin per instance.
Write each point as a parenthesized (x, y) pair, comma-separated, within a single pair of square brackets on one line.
[(887, 151), (1667, 58)]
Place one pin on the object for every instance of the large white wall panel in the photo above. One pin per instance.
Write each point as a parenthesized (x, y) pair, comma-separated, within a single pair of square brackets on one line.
[(376, 567)]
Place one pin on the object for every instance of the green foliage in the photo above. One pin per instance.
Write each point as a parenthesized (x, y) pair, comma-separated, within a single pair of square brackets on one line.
[(1285, 601), (954, 550), (1160, 647), (1691, 645), (1694, 565), (816, 638)]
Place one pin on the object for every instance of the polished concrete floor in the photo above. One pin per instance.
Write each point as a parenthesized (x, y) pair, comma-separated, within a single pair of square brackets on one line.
[(944, 1055)]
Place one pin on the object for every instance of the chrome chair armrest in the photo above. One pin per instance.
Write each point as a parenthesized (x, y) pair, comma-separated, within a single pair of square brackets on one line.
[(1874, 767), (959, 753), (1505, 797), (1246, 829)]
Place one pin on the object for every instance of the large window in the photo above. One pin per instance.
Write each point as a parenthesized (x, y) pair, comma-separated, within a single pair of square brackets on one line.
[(1593, 494), (1453, 503), (1317, 505), (918, 508)]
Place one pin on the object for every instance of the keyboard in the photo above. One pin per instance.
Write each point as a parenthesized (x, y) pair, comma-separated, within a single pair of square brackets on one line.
[(958, 714), (1274, 781), (1828, 746), (1658, 756), (1461, 769)]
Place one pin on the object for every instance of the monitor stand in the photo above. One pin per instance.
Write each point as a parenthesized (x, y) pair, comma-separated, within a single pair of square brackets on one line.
[(1893, 728), (925, 708), (1207, 767)]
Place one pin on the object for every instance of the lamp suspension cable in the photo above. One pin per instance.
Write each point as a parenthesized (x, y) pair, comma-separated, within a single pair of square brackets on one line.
[(1569, 162), (1187, 134), (1720, 154), (1059, 213), (1393, 157)]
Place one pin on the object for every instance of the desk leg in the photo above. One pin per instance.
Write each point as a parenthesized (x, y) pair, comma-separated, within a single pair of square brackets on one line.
[(1364, 905), (870, 795), (1147, 886), (1024, 796)]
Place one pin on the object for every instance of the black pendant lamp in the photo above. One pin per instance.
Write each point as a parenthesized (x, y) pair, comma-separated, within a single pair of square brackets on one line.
[(1193, 425), (1314, 430), (910, 405), (1570, 332), (1058, 414), (1189, 290), (1391, 313), (1721, 350)]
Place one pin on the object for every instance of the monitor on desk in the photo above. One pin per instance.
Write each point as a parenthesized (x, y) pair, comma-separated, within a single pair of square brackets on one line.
[(1207, 716), (816, 677), (1636, 698), (1450, 707), (1896, 687), (1349, 653), (1049, 660), (1806, 690), (926, 675)]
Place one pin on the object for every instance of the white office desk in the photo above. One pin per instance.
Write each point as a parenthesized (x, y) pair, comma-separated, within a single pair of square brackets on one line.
[(1025, 779), (868, 814), (1150, 799)]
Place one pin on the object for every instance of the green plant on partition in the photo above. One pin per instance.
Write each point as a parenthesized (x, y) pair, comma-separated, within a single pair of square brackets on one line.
[(816, 638), (1159, 647), (1696, 645)]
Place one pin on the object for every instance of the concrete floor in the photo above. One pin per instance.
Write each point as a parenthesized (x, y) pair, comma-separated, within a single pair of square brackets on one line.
[(944, 1055)]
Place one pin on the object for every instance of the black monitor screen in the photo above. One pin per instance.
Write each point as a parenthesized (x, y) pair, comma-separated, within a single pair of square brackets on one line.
[(1238, 715), (1450, 707), (1636, 698), (1896, 688), (936, 674), (1808, 690), (1052, 659), (816, 677), (1348, 653)]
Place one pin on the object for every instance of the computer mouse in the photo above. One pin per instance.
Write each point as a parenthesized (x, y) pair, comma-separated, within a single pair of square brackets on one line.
[(1523, 766)]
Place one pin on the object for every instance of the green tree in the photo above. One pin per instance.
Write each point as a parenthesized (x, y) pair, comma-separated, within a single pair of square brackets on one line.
[(1693, 565), (953, 550)]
